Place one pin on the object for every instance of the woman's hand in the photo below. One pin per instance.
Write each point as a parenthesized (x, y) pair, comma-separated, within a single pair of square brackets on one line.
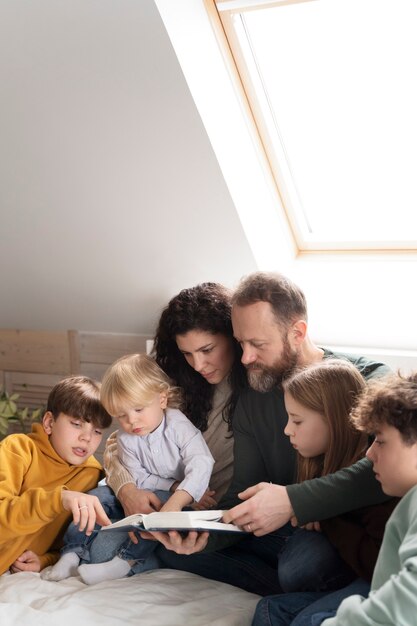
[(172, 540), (136, 500), (86, 510), (26, 562)]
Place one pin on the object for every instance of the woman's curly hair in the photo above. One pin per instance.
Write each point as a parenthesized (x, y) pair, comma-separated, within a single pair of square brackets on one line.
[(205, 307)]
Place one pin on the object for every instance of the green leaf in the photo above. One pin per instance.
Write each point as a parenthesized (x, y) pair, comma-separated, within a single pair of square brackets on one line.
[(36, 414), (24, 413), (4, 425)]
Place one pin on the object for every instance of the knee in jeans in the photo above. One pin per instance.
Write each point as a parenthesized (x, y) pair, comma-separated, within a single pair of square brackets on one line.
[(261, 616), (307, 562), (291, 579)]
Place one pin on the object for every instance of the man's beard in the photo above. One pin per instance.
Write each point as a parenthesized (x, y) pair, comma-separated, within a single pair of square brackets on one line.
[(264, 378)]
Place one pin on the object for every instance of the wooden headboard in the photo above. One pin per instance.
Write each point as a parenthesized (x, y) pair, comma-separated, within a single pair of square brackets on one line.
[(32, 362)]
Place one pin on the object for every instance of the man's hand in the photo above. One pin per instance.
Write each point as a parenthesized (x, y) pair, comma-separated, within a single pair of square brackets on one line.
[(86, 510), (193, 542), (136, 500), (266, 508), (27, 562)]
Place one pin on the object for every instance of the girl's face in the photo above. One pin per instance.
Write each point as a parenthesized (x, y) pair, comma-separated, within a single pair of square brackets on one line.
[(211, 355), (142, 420), (307, 429)]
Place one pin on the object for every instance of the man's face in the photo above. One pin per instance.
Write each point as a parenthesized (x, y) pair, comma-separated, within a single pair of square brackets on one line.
[(267, 350), (395, 462)]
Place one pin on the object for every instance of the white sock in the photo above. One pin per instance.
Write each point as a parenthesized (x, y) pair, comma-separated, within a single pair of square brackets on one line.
[(95, 573), (67, 566)]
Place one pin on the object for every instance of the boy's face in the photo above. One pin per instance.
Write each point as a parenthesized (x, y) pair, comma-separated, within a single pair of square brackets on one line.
[(73, 439), (142, 420), (395, 462)]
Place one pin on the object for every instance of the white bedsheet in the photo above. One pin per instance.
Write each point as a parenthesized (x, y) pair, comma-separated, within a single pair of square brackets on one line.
[(157, 598)]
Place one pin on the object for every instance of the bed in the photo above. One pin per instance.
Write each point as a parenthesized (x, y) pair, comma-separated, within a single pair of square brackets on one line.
[(31, 362), (156, 598)]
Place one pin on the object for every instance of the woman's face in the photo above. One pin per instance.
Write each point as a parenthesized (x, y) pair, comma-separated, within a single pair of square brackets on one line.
[(211, 355)]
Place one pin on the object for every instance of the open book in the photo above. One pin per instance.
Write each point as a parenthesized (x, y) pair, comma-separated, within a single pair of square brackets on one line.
[(175, 520)]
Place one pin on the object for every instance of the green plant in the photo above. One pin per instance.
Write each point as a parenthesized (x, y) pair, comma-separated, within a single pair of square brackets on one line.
[(10, 413)]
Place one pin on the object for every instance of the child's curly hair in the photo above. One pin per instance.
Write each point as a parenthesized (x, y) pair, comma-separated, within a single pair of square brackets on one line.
[(390, 400)]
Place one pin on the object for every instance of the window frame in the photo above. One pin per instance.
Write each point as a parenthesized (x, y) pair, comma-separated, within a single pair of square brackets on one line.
[(260, 117)]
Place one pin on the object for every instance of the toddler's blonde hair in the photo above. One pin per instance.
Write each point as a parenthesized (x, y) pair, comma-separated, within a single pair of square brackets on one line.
[(135, 379)]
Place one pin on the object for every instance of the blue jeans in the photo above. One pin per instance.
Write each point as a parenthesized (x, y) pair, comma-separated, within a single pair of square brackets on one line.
[(100, 547), (309, 562), (304, 608), (76, 540), (286, 560)]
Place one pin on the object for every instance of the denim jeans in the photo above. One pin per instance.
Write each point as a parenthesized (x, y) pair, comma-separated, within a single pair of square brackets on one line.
[(304, 608), (309, 562), (283, 561), (76, 540), (100, 547)]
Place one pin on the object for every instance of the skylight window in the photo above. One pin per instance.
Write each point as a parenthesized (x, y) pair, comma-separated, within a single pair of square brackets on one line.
[(331, 85)]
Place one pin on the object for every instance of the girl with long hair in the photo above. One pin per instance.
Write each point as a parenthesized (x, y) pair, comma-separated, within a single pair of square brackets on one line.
[(319, 400)]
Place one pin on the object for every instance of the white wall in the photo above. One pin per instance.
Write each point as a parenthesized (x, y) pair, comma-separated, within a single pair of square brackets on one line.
[(111, 199)]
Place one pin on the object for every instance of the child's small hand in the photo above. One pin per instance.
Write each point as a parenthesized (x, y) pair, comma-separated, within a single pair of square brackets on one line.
[(170, 507), (206, 502), (177, 501), (27, 562), (86, 510)]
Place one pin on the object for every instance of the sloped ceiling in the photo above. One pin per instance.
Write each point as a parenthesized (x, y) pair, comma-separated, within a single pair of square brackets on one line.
[(111, 199)]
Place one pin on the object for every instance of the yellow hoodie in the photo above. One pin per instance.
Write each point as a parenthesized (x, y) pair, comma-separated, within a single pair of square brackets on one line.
[(32, 476)]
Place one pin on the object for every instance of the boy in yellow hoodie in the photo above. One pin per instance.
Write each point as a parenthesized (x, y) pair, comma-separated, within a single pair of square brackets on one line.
[(43, 476)]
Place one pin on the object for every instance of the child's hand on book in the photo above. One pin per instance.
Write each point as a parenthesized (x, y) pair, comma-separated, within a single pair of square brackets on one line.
[(177, 501), (86, 510)]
